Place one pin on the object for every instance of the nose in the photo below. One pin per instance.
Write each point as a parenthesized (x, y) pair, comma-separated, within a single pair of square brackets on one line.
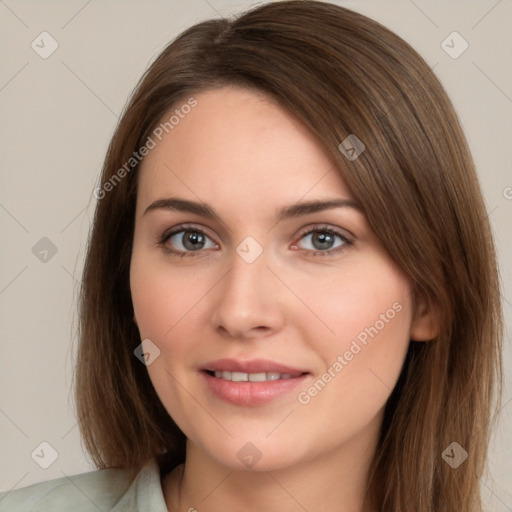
[(249, 300)]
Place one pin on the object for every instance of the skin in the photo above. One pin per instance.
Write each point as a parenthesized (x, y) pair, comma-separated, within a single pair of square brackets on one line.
[(247, 157)]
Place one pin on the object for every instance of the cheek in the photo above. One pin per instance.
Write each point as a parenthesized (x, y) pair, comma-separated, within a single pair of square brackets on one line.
[(162, 298), (170, 308), (166, 310), (370, 312), (369, 301), (161, 305)]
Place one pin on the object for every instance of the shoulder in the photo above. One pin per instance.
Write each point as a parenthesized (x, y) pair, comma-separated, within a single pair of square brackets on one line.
[(105, 489)]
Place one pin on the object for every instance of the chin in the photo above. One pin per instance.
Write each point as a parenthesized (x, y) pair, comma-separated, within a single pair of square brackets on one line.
[(258, 454)]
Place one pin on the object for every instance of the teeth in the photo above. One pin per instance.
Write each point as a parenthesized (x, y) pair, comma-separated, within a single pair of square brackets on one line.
[(257, 377), (254, 377)]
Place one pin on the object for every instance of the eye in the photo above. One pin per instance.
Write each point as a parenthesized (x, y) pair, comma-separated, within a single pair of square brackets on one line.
[(323, 241), (187, 240), (190, 240)]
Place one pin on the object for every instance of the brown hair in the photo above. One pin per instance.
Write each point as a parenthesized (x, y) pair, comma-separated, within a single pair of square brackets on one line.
[(340, 73)]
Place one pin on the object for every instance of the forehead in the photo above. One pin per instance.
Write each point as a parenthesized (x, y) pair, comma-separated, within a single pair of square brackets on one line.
[(238, 148)]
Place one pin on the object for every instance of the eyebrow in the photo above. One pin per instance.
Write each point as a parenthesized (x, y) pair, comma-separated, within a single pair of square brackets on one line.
[(288, 212)]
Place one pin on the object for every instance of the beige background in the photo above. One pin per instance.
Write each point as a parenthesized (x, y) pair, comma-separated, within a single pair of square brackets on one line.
[(58, 115)]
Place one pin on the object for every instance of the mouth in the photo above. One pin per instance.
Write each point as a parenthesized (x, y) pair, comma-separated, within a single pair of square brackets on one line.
[(251, 383), (253, 377)]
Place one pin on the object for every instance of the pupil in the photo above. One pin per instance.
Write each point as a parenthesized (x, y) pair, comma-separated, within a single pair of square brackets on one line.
[(193, 240), (322, 240)]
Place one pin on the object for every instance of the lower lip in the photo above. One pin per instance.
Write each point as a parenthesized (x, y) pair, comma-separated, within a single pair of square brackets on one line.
[(251, 393)]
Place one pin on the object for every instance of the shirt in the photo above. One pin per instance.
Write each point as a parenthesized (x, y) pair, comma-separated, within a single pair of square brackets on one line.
[(107, 490)]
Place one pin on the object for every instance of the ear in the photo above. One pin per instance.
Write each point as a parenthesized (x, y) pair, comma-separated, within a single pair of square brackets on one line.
[(425, 324)]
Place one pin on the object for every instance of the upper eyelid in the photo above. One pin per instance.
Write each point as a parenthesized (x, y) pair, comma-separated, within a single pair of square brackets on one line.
[(185, 227), (325, 227)]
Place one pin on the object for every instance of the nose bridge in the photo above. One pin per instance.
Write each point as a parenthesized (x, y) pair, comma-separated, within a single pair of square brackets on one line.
[(247, 298), (247, 270)]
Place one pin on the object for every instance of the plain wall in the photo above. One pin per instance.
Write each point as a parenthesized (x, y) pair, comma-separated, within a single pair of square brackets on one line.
[(58, 115)]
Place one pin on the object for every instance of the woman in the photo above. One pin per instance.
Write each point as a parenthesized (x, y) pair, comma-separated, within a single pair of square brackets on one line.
[(290, 298)]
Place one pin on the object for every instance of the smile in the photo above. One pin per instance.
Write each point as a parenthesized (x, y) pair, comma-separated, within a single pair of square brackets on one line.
[(253, 377), (252, 382)]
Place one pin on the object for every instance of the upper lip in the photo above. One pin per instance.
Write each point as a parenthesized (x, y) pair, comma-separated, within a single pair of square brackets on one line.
[(252, 366)]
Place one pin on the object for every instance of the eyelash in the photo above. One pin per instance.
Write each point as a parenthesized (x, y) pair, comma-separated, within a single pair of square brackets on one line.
[(316, 229)]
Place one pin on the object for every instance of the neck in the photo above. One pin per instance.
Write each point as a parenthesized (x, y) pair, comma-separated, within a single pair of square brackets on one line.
[(334, 481)]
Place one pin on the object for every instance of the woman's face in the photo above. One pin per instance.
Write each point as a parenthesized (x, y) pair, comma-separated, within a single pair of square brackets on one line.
[(277, 331)]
